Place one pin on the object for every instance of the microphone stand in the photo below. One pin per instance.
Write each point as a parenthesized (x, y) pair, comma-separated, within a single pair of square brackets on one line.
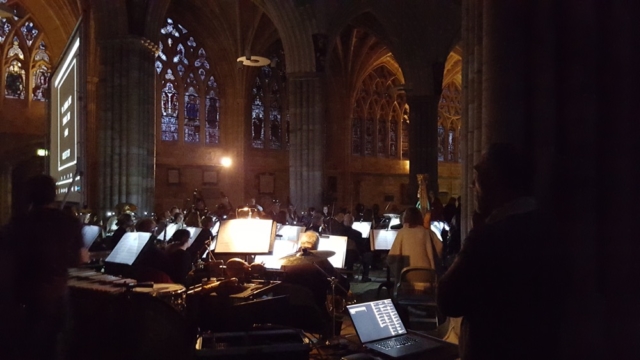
[(334, 283)]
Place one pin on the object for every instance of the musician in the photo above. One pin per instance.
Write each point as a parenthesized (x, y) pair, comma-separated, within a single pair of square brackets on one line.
[(125, 224), (178, 219), (315, 273), (198, 246), (308, 275), (151, 257), (178, 256), (357, 247), (42, 245), (317, 224)]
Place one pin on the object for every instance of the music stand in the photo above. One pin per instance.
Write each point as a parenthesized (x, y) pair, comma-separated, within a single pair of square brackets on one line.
[(89, 234), (195, 231), (338, 244), (167, 233), (364, 227), (246, 236), (128, 248), (286, 243), (381, 240)]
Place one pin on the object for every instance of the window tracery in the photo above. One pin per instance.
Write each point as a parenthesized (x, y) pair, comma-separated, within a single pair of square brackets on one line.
[(378, 119), (180, 66), (449, 110), (269, 110), (26, 67)]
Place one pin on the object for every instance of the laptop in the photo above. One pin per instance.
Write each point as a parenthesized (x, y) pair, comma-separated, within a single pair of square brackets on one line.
[(380, 329)]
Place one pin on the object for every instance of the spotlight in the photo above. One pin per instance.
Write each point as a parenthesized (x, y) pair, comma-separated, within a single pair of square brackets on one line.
[(225, 161)]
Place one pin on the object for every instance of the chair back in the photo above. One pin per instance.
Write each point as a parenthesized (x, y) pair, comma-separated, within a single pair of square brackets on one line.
[(416, 280)]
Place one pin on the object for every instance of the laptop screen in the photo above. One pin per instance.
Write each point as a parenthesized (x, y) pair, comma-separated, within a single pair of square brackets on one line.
[(376, 320)]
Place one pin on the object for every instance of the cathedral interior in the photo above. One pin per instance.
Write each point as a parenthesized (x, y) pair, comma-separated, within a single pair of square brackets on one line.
[(327, 102)]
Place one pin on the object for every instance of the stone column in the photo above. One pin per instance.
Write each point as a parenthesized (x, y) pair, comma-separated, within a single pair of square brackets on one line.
[(423, 140), (126, 118), (5, 187), (306, 154)]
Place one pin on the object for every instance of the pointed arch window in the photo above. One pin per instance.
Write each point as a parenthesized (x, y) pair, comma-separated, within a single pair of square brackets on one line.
[(269, 109), (41, 72), (181, 64), (380, 130), (26, 64), (449, 111), (212, 133)]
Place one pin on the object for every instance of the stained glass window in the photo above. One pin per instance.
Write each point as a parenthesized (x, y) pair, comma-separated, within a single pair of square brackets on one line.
[(381, 131), (15, 49), (368, 136), (191, 111), (257, 123), (212, 130), (29, 32), (405, 132), (441, 141), (382, 138), (14, 81), (5, 27), (393, 138), (269, 104), (169, 107), (356, 136), (41, 54), (451, 144), (449, 111), (176, 63), (40, 82)]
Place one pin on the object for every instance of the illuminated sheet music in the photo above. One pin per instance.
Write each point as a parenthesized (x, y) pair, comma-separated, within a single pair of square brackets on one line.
[(168, 232), (364, 227), (337, 244), (246, 236), (90, 234), (383, 239), (128, 248), (289, 232), (194, 233), (280, 248)]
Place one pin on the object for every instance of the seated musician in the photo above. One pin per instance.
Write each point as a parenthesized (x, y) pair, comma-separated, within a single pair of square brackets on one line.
[(308, 275), (152, 263), (125, 224), (179, 258), (198, 246)]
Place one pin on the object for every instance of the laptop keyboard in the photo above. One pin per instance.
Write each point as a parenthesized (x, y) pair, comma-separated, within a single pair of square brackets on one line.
[(396, 342)]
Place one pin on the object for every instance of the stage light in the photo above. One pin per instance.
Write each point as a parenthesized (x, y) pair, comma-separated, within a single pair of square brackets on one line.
[(225, 161), (42, 152)]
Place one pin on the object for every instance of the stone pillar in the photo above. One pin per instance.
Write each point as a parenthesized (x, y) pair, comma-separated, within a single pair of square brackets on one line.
[(306, 154), (423, 140), (5, 188), (126, 118)]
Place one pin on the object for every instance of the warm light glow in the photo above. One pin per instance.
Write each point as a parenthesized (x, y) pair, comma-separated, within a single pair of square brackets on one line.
[(42, 152), (226, 162)]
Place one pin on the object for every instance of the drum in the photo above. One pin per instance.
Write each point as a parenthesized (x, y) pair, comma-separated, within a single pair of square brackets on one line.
[(173, 294)]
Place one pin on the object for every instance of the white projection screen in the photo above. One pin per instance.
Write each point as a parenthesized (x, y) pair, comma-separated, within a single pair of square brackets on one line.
[(68, 84)]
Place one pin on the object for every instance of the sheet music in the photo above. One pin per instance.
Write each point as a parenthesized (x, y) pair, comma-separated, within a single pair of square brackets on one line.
[(128, 248), (383, 239), (246, 236), (337, 244), (194, 233), (364, 227), (280, 248), (90, 234), (290, 232), (169, 230)]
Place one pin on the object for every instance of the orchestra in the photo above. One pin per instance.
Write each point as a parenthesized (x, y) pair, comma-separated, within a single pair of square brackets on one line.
[(179, 265)]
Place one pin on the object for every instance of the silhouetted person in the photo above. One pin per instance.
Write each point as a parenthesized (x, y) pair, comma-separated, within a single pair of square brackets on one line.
[(125, 224), (503, 280), (179, 258), (45, 242)]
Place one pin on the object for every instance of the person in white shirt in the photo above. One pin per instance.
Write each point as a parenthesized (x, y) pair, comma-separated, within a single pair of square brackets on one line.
[(414, 245)]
